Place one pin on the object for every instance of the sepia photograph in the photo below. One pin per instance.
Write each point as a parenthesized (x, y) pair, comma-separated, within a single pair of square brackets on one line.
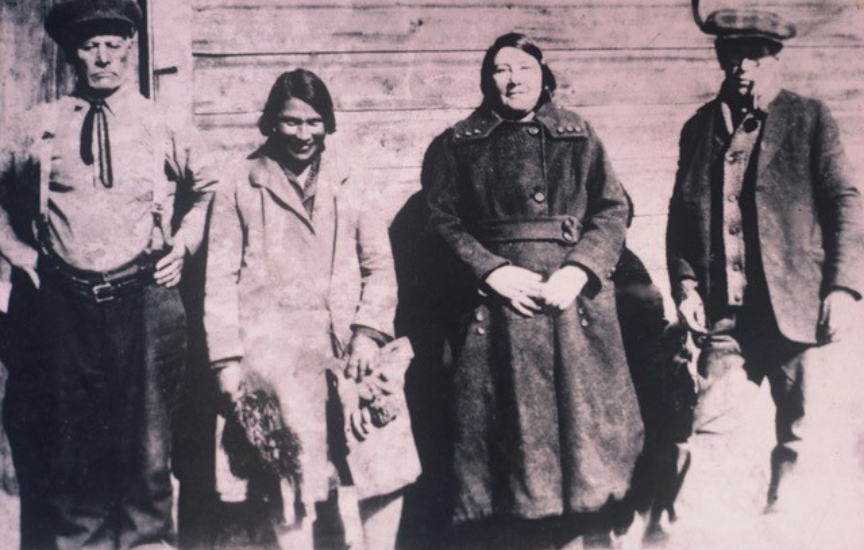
[(431, 274)]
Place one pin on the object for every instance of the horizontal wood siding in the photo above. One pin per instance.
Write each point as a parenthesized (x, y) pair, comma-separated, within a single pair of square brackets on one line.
[(401, 72)]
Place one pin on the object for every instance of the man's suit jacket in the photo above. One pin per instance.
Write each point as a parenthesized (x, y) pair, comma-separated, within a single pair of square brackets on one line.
[(808, 211)]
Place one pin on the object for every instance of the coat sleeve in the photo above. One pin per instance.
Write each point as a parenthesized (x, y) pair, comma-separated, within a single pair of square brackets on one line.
[(839, 206), (676, 234), (224, 260), (377, 307), (193, 168), (605, 222), (440, 180)]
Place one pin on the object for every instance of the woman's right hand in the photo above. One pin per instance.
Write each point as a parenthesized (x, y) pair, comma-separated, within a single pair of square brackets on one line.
[(229, 376), (520, 287)]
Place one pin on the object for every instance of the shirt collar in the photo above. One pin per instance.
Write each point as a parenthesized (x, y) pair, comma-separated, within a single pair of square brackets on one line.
[(115, 103)]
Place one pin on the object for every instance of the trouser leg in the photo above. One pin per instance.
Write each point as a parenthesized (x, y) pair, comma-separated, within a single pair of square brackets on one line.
[(87, 383), (789, 389), (26, 423), (725, 391), (27, 415), (721, 486), (147, 501)]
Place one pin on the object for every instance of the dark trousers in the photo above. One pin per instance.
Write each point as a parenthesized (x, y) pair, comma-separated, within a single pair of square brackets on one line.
[(107, 374)]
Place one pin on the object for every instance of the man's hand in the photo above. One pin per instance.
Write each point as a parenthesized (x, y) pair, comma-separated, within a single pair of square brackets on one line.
[(363, 356), (563, 286), (229, 375), (691, 310), (520, 287), (837, 317), (24, 258), (169, 269)]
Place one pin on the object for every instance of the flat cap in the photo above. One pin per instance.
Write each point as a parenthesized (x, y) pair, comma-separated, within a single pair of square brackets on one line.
[(76, 20), (730, 23)]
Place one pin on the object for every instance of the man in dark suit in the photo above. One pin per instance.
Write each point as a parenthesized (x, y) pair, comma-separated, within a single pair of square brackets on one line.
[(764, 236)]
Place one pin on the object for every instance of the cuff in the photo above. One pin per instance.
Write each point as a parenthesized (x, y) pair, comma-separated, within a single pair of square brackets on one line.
[(379, 337)]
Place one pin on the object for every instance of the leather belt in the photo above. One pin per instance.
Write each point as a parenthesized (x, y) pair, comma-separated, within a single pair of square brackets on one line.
[(101, 287), (562, 229)]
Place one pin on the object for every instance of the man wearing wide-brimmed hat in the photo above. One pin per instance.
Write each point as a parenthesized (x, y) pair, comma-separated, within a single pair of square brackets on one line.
[(764, 238), (88, 220)]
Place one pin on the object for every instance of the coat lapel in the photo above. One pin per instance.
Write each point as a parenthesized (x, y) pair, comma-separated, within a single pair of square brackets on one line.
[(266, 173), (777, 124)]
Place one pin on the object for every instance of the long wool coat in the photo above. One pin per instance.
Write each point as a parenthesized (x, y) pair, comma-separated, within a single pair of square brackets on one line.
[(545, 415), (808, 211), (284, 290)]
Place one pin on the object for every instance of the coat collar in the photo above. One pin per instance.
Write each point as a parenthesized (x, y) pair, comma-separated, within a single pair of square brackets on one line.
[(778, 124), (559, 124), (266, 173)]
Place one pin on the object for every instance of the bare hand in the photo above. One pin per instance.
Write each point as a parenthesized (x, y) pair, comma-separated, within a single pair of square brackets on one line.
[(563, 286), (363, 356), (169, 269), (361, 423), (24, 258), (520, 287), (691, 310), (837, 318), (230, 379)]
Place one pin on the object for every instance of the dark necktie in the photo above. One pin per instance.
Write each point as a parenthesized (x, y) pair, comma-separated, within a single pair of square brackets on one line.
[(95, 145)]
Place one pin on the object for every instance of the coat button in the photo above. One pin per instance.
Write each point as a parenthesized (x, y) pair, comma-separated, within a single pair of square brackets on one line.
[(478, 316), (539, 196), (580, 311), (583, 322), (731, 157), (736, 266), (533, 130), (477, 131), (571, 128), (732, 197), (577, 129), (481, 331), (559, 129), (737, 300), (734, 230)]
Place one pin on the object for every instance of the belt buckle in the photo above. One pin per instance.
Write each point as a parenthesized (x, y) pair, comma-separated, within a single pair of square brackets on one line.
[(103, 292)]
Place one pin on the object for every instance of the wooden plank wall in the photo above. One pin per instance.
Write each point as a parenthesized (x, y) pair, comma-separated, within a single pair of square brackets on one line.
[(29, 71), (402, 71)]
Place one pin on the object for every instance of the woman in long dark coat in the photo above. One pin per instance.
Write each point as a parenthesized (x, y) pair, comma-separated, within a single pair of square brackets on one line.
[(545, 416)]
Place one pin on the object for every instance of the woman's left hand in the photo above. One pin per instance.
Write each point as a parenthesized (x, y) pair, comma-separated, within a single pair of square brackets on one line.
[(563, 286), (363, 356)]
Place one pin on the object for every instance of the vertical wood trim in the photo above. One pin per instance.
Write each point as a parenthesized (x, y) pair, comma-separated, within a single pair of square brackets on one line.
[(146, 78)]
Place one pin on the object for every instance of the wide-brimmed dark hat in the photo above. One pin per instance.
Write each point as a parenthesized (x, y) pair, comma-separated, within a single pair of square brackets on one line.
[(71, 22), (729, 23)]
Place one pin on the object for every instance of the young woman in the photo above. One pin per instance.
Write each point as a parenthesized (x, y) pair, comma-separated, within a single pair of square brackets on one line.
[(299, 272)]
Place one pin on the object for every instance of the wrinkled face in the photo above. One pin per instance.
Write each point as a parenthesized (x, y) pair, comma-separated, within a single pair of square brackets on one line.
[(747, 64), (301, 129), (101, 62), (518, 78)]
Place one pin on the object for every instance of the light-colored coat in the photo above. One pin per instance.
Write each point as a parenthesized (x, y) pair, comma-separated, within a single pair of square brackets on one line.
[(284, 290)]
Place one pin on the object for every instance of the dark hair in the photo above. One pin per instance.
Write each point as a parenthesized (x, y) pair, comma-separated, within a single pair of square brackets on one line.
[(520, 42), (297, 84)]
